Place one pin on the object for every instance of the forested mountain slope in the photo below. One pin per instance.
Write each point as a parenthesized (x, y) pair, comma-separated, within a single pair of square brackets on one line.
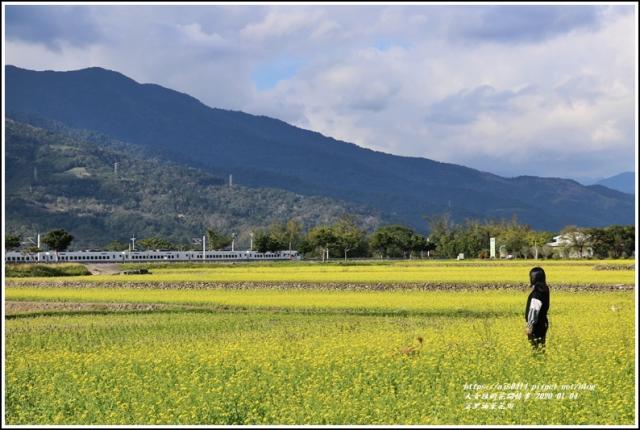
[(265, 152), (64, 178)]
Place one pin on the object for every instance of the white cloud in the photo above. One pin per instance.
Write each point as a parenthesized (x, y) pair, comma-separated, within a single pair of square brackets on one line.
[(279, 23), (38, 56), (607, 132), (194, 34), (433, 81)]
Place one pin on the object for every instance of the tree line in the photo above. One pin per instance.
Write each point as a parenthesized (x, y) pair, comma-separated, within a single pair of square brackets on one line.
[(347, 239)]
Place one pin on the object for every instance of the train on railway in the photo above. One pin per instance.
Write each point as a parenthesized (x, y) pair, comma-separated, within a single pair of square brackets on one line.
[(145, 256)]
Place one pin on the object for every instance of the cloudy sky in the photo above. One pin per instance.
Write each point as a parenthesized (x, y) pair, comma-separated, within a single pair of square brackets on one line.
[(521, 89)]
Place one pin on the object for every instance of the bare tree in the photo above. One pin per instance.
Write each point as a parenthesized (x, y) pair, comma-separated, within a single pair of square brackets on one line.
[(576, 239)]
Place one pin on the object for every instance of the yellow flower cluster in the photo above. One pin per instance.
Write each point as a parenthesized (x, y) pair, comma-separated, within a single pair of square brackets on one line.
[(315, 357), (407, 271)]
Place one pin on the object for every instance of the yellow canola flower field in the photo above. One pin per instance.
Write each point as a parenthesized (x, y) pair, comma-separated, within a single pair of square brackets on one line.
[(320, 357), (497, 302), (406, 271)]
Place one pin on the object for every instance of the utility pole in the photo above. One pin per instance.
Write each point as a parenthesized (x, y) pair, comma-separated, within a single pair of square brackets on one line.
[(133, 242), (251, 236), (204, 247), (233, 241)]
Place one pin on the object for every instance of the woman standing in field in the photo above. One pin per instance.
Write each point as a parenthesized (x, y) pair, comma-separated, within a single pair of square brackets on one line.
[(535, 313)]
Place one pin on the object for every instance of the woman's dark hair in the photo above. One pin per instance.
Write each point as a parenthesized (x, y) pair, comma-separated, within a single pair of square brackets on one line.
[(537, 276)]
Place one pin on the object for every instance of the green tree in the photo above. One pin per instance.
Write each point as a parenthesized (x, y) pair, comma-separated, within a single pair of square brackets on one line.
[(153, 243), (294, 231), (429, 247), (322, 237), (441, 234), (11, 242), (472, 238), (265, 242), (287, 235), (513, 236), (348, 235), (305, 246), (601, 242), (58, 240), (392, 241), (217, 241), (183, 246), (379, 241), (278, 236), (116, 245), (420, 245), (614, 241), (623, 240)]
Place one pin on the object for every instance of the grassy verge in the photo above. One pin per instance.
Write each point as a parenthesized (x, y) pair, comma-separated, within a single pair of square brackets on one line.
[(426, 272), (44, 270)]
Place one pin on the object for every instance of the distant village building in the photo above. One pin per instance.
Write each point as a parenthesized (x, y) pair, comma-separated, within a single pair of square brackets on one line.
[(567, 245)]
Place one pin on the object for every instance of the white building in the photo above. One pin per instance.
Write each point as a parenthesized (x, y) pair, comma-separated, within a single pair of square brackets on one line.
[(567, 245)]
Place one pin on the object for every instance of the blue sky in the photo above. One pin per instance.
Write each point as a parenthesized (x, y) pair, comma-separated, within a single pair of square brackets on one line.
[(544, 90), (267, 75)]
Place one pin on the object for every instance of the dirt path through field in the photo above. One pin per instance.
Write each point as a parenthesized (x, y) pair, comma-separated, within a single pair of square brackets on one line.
[(123, 282), (103, 268), (15, 307)]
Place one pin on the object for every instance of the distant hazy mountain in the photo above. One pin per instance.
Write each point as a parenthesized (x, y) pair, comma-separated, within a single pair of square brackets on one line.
[(266, 152), (625, 182), (586, 180), (59, 178)]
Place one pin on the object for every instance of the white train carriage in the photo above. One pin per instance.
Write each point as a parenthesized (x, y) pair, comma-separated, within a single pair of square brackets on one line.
[(61, 257), (145, 256)]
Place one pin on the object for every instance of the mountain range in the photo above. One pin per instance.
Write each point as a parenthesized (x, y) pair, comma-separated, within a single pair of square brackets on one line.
[(62, 178), (625, 182), (264, 152)]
